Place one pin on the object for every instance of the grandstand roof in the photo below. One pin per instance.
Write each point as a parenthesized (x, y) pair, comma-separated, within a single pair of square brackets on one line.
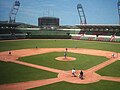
[(99, 26), (9, 24)]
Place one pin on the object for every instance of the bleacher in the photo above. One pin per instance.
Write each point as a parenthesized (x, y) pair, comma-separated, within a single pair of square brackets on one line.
[(4, 31), (83, 32), (99, 32), (118, 33), (106, 36), (8, 34), (46, 34)]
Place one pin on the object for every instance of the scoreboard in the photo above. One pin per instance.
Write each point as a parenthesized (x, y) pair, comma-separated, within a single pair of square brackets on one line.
[(48, 21)]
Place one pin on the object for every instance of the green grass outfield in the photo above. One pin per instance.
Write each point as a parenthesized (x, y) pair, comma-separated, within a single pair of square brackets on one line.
[(101, 85), (107, 46), (12, 73), (82, 61)]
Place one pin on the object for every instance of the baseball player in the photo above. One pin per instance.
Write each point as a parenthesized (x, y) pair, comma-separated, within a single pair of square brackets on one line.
[(65, 54), (73, 72)]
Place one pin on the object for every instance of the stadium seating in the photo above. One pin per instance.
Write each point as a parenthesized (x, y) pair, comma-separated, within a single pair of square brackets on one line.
[(11, 34), (4, 31), (106, 36), (59, 34), (45, 34), (118, 33)]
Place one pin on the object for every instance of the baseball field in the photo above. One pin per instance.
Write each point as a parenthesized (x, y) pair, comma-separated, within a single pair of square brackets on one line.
[(40, 65)]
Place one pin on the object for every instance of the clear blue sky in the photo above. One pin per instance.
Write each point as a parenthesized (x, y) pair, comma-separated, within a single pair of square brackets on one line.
[(96, 11)]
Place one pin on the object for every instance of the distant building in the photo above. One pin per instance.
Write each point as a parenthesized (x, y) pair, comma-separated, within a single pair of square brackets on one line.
[(48, 21)]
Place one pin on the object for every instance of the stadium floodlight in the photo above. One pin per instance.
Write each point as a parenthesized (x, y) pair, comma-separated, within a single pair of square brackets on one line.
[(81, 14), (13, 12)]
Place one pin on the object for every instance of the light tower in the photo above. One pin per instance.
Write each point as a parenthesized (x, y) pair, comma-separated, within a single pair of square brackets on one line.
[(118, 4), (13, 12), (81, 14)]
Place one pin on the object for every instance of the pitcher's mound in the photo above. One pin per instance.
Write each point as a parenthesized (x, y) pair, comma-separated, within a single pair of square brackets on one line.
[(65, 59)]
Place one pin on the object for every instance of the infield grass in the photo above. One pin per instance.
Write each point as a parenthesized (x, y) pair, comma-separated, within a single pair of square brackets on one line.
[(82, 61), (12, 73)]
